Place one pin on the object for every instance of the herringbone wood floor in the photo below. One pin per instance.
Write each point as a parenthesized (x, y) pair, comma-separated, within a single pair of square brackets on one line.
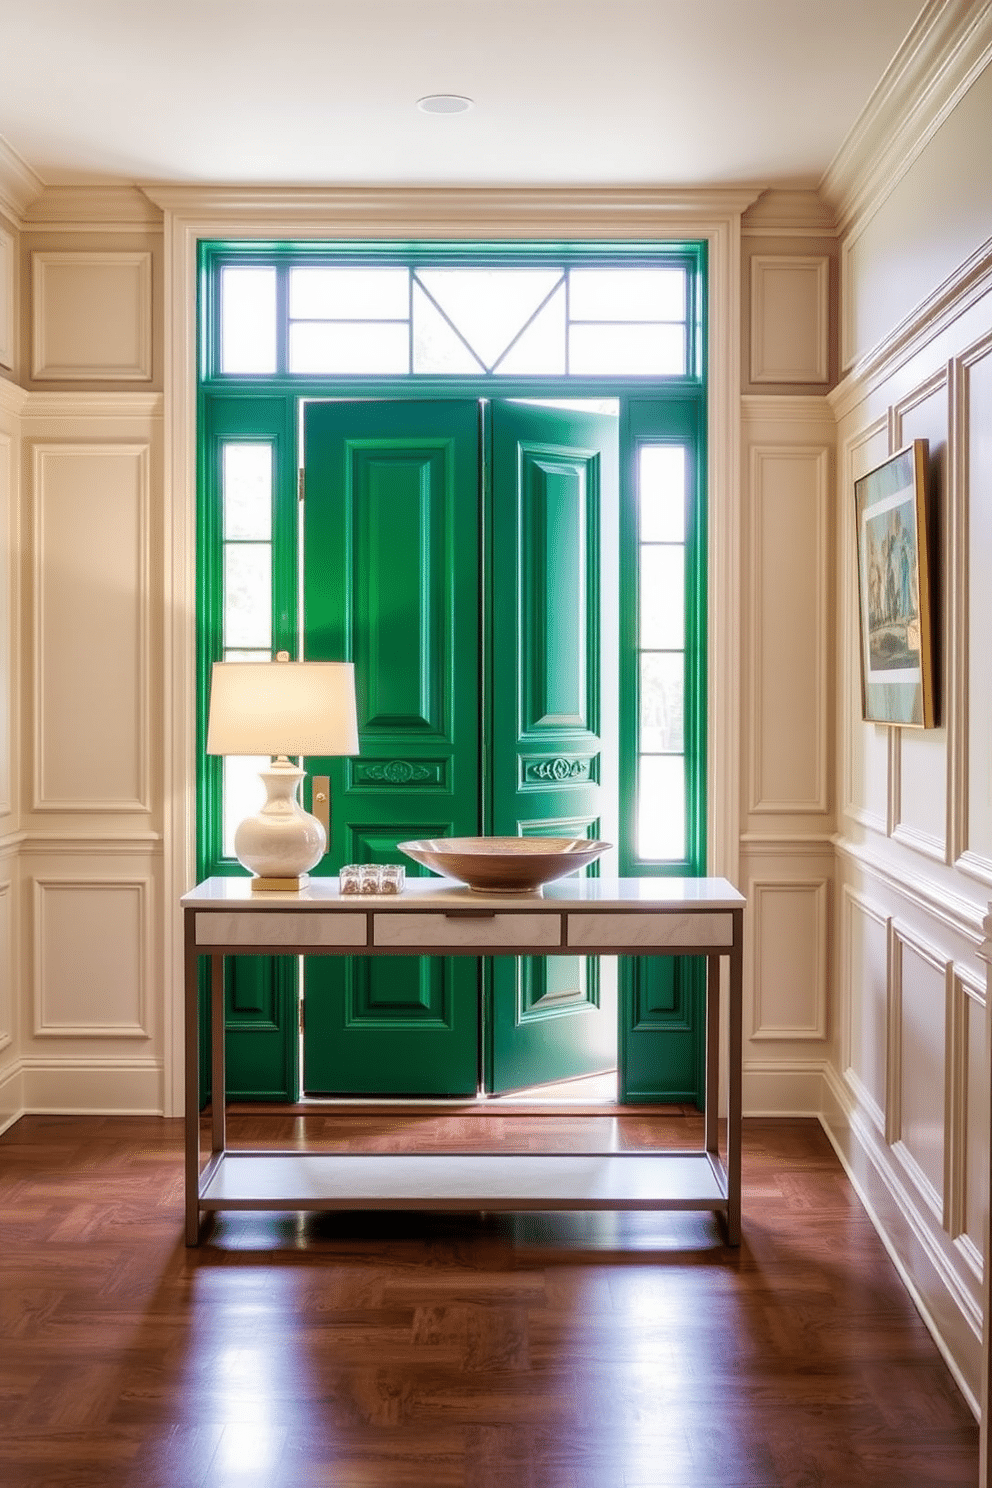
[(542, 1351)]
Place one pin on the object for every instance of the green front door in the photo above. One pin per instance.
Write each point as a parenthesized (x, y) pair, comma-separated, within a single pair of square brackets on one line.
[(552, 521), (466, 590), (391, 581)]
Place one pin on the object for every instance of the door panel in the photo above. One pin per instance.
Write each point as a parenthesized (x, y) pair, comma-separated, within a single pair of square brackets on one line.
[(260, 1021), (553, 483), (391, 573), (662, 1051), (395, 510)]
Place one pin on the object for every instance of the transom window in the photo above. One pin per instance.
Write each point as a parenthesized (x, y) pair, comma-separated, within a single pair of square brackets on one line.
[(534, 321)]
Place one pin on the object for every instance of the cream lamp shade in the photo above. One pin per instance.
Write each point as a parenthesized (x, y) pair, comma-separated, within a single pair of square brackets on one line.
[(282, 708)]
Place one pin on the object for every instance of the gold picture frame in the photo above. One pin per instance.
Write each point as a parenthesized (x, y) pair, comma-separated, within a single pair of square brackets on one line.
[(893, 546)]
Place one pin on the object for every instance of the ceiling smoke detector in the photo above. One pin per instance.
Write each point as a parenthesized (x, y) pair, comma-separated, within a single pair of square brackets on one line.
[(444, 103)]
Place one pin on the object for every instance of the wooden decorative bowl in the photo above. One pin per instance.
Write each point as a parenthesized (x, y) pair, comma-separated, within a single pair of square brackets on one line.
[(504, 865)]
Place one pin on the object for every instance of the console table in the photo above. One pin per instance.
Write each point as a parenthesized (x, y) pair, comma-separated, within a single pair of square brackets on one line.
[(589, 917)]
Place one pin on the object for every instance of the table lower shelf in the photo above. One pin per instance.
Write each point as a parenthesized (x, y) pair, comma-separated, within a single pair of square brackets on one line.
[(464, 1181)]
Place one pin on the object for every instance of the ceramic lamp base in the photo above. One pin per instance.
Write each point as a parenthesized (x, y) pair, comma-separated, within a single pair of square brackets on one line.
[(282, 842)]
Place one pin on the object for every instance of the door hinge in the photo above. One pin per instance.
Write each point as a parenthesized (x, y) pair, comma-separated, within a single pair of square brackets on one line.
[(303, 1016), (301, 484)]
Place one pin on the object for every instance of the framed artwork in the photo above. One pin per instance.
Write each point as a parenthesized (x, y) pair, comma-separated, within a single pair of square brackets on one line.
[(894, 590)]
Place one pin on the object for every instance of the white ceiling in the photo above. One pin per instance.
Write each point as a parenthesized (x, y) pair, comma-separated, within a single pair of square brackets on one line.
[(650, 92)]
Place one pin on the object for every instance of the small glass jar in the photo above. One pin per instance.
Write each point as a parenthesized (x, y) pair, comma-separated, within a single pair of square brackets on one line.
[(392, 878), (368, 878)]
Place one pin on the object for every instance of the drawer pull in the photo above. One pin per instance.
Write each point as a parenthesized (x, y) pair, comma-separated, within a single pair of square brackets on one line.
[(469, 914)]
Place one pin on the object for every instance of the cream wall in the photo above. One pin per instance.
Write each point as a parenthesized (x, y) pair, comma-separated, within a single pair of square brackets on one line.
[(907, 1090), (104, 602), (82, 713)]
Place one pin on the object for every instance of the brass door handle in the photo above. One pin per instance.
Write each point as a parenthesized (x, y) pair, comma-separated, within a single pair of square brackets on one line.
[(322, 802)]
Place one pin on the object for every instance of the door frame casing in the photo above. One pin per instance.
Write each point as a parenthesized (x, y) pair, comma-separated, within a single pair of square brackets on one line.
[(192, 215)]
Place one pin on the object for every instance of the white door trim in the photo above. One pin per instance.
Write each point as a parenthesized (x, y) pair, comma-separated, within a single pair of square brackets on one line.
[(245, 213)]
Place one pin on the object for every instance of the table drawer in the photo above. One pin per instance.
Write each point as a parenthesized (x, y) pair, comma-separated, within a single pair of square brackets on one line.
[(487, 931), (280, 928), (627, 931)]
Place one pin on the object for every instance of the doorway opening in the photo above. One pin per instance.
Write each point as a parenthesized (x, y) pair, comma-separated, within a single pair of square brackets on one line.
[(281, 346)]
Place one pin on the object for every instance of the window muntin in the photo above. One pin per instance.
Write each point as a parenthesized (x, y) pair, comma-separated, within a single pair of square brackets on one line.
[(423, 320)]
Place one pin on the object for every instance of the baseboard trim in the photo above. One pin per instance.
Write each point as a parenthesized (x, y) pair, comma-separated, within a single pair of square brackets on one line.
[(11, 1095), (951, 1316), (62, 1087), (787, 1090)]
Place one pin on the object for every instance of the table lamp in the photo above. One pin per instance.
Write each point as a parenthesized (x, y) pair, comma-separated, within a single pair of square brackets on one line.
[(282, 708)]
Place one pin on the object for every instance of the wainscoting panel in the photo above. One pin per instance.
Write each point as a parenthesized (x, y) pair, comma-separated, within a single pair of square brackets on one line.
[(92, 946), (864, 982), (790, 943), (8, 588), (8, 968), (92, 316), (7, 319), (976, 408), (969, 1119), (917, 1085), (790, 319), (789, 537), (865, 758), (91, 627), (920, 805)]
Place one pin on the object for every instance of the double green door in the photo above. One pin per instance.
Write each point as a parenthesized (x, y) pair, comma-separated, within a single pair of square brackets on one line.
[(456, 551)]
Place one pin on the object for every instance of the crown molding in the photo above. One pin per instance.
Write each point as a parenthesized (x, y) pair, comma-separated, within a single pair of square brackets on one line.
[(19, 184), (519, 210), (789, 214), (12, 396), (949, 44), (91, 209)]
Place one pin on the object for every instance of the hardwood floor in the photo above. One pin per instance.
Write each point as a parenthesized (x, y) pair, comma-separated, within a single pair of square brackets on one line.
[(409, 1351)]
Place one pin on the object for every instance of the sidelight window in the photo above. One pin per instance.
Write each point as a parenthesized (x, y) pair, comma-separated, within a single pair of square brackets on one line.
[(661, 493), (246, 604)]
